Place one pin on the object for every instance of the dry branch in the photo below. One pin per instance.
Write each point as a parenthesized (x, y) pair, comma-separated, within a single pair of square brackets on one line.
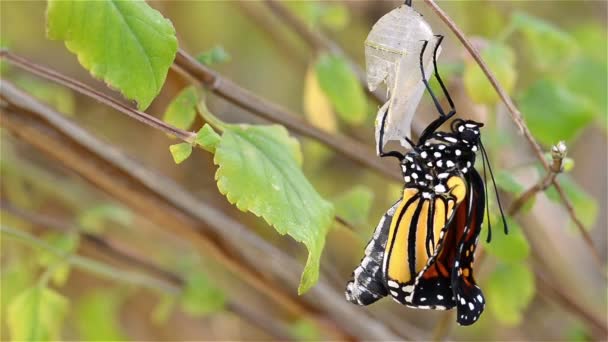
[(163, 202)]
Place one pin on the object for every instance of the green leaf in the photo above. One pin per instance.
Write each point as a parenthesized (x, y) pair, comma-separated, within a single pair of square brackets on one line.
[(97, 316), (501, 60), (180, 152), (16, 275), (96, 218), (587, 78), (181, 112), (215, 55), (585, 206), (64, 242), (36, 315), (554, 113), (510, 248), (305, 330), (58, 97), (342, 87), (259, 172), (509, 290), (355, 204), (200, 296), (207, 138), (335, 16), (127, 44), (551, 48)]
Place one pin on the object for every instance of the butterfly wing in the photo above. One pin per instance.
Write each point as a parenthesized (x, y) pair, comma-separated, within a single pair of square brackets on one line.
[(368, 283), (470, 300)]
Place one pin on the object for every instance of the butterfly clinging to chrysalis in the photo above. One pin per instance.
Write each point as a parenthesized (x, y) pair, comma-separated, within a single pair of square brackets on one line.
[(422, 250)]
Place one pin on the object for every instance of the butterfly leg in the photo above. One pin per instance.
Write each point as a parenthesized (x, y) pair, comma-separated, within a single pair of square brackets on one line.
[(379, 146), (368, 283), (443, 117)]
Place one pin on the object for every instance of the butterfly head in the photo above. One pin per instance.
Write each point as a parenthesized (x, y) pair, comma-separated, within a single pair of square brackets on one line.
[(467, 131)]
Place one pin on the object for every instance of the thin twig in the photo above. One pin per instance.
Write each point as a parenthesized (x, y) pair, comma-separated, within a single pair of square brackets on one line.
[(519, 122), (167, 204), (254, 316), (255, 104), (93, 266), (558, 154)]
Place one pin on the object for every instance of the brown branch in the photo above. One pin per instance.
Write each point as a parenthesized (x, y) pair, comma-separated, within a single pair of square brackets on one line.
[(257, 318), (558, 154), (166, 204), (519, 122), (251, 102)]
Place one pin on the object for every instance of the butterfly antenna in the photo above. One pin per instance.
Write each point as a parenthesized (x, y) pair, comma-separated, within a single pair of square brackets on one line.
[(485, 186), (502, 214)]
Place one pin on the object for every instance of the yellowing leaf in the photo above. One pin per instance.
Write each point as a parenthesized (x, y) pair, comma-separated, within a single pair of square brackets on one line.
[(64, 242), (127, 44), (317, 107), (181, 112), (259, 172), (180, 152), (36, 315)]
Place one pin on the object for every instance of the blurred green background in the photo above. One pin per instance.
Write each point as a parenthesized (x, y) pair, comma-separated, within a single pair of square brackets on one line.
[(550, 55)]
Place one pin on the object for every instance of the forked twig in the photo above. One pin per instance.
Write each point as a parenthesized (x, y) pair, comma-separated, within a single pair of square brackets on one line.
[(519, 122)]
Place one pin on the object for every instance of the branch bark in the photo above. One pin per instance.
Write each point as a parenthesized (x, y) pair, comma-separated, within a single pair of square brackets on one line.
[(165, 203)]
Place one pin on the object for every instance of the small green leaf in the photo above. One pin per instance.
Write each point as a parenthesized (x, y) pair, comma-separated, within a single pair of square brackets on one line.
[(335, 16), (181, 112), (127, 44), (16, 275), (200, 296), (180, 152), (259, 172), (513, 247), (341, 86), (96, 218), (97, 314), (215, 55), (305, 330), (56, 96), (509, 290), (553, 113), (355, 204), (501, 60), (64, 242), (550, 47), (36, 315), (585, 206), (587, 78), (207, 138)]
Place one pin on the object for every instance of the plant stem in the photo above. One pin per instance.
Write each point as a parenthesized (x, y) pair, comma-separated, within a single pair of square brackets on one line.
[(92, 266)]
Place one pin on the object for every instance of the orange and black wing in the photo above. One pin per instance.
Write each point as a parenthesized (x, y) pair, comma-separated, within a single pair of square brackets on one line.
[(447, 280)]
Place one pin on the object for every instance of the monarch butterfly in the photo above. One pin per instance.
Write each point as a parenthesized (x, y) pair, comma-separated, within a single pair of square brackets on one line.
[(422, 250)]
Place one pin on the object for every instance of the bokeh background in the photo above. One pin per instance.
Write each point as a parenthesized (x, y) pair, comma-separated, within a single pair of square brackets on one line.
[(550, 55)]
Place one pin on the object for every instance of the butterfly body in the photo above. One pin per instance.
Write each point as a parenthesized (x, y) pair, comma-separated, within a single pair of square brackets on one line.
[(421, 253)]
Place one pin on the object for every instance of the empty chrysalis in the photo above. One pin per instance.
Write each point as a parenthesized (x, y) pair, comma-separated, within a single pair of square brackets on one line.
[(392, 57)]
